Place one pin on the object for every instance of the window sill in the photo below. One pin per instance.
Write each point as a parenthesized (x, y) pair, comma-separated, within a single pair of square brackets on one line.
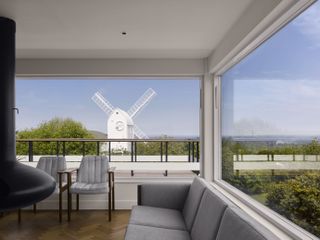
[(282, 227)]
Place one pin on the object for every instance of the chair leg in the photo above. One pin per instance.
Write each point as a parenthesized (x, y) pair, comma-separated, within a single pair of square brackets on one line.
[(109, 205), (113, 199), (77, 202), (19, 215), (69, 206), (60, 206), (34, 208)]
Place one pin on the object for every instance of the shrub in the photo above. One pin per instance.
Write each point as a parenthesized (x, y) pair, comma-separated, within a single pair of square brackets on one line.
[(298, 199)]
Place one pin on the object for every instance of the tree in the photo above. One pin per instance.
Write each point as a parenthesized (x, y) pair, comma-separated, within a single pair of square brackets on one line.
[(312, 148), (56, 128), (227, 159)]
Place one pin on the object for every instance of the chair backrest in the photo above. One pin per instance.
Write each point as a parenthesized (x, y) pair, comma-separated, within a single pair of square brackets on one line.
[(93, 169), (52, 165)]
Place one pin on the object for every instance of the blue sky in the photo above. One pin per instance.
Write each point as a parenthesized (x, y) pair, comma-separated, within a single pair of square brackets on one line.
[(174, 111), (276, 89)]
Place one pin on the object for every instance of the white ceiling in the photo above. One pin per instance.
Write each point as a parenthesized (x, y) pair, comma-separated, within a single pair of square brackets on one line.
[(92, 28)]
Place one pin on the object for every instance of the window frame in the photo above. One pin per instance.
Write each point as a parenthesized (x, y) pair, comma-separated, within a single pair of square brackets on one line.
[(262, 213)]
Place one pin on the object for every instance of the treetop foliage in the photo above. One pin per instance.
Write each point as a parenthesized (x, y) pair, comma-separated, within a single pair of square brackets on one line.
[(56, 128)]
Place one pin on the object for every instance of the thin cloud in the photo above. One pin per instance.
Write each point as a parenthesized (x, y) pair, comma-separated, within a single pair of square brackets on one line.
[(308, 23), (290, 105)]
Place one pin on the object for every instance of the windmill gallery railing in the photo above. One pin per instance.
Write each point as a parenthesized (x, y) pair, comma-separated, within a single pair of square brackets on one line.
[(141, 151)]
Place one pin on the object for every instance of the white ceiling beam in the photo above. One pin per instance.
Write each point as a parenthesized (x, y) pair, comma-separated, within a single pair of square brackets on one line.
[(110, 67)]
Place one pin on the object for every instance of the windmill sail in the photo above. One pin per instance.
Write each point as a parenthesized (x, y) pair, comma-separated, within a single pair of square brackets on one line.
[(142, 102), (103, 103), (139, 134)]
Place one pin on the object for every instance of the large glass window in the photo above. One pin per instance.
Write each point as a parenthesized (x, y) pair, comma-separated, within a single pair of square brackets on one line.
[(145, 120), (270, 122)]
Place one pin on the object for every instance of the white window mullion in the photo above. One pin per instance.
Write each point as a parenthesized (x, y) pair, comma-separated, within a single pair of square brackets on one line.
[(217, 169)]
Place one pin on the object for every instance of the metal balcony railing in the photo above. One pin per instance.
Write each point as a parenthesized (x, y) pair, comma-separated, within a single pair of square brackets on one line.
[(191, 147)]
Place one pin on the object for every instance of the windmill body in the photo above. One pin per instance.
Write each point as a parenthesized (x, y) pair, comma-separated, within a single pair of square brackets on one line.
[(120, 124)]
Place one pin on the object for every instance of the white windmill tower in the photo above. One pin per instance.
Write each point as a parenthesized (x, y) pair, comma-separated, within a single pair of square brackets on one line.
[(120, 124)]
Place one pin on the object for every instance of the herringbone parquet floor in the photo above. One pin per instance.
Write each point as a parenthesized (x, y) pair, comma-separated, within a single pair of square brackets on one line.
[(44, 225)]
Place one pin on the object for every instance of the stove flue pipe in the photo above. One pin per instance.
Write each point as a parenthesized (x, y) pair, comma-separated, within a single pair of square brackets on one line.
[(20, 185)]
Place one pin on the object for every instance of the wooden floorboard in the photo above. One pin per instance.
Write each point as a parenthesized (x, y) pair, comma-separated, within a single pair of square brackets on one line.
[(44, 225)]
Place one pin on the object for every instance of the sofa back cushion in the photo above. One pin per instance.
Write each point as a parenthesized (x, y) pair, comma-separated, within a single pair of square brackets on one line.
[(192, 201), (208, 218), (163, 195), (236, 224)]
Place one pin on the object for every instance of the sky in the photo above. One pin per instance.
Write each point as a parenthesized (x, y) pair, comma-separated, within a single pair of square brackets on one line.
[(173, 112), (276, 89)]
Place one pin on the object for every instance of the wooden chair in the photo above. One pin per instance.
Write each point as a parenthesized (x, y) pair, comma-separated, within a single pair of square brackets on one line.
[(55, 167), (93, 177)]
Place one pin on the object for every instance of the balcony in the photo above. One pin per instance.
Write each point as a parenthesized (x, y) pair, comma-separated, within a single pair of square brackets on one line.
[(174, 157)]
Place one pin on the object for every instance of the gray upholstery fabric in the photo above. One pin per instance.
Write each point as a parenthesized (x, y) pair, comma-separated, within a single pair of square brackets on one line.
[(52, 165), (209, 215), (93, 169), (89, 188), (164, 195), (157, 217), (138, 232), (92, 176), (220, 195), (192, 201), (236, 224)]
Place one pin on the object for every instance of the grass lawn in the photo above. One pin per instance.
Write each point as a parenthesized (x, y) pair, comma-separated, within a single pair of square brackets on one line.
[(262, 197)]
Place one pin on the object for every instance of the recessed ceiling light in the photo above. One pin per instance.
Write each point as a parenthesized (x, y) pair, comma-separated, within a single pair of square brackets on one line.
[(124, 33)]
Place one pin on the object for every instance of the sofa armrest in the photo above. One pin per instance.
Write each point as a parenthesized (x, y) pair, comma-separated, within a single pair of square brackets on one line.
[(163, 195)]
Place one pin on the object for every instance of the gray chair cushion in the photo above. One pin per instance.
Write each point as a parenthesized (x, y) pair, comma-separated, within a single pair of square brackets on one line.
[(209, 215), (139, 232), (93, 169), (51, 165), (192, 201), (238, 225), (157, 217), (89, 188)]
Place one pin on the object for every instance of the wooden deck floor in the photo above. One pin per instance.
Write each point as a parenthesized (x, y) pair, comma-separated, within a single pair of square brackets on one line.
[(44, 225)]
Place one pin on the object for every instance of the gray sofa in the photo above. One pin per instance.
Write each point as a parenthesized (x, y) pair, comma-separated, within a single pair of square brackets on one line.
[(194, 211)]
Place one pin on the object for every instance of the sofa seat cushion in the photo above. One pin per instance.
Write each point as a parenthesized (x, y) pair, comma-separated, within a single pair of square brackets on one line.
[(236, 224), (157, 217), (139, 232)]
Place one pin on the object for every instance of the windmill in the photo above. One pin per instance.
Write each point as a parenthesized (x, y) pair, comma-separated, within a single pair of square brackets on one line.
[(120, 124)]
